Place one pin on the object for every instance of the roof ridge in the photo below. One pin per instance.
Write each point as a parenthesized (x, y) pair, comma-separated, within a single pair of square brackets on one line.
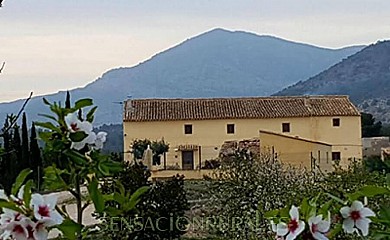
[(241, 98)]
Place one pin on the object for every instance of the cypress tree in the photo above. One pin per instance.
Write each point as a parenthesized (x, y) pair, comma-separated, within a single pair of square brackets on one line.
[(25, 160), (67, 101), (5, 168), (36, 158), (16, 146)]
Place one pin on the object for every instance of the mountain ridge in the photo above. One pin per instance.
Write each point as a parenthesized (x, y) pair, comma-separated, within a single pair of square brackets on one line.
[(365, 76), (217, 63)]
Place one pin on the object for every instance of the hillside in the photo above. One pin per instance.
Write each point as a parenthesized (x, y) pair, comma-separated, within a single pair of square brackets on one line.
[(217, 63), (365, 76)]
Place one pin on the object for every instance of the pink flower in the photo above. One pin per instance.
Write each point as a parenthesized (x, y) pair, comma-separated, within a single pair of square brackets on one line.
[(293, 228), (44, 209), (319, 227), (75, 125), (356, 217)]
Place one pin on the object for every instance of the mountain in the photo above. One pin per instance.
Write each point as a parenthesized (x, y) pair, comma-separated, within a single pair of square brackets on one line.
[(218, 63), (364, 76)]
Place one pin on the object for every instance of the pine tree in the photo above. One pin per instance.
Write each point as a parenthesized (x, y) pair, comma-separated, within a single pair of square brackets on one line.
[(25, 160), (67, 101), (36, 158)]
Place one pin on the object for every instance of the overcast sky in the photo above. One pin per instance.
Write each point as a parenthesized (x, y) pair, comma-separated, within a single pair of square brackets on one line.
[(52, 45)]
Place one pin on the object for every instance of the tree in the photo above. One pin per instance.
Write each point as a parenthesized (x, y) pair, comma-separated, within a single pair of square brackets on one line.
[(17, 148), (370, 128), (24, 161), (36, 162), (67, 101)]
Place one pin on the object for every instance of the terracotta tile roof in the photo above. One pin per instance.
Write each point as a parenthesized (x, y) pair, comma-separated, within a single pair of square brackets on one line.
[(237, 108)]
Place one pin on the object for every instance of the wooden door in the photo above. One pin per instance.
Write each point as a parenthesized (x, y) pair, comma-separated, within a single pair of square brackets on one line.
[(187, 158)]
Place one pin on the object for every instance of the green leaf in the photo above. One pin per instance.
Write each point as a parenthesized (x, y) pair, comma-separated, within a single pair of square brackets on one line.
[(388, 180), (77, 136), (135, 198), (48, 125), (76, 157), (108, 167), (271, 214), (336, 198), (372, 191), (96, 195), (355, 196), (47, 116), (325, 208), (20, 180), (305, 208), (113, 212), (9, 205), (45, 136), (27, 193), (69, 228), (90, 114), (53, 179), (335, 231), (83, 103), (119, 198)]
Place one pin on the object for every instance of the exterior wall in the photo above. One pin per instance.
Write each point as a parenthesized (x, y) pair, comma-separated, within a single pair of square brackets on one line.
[(372, 146), (298, 152), (210, 134)]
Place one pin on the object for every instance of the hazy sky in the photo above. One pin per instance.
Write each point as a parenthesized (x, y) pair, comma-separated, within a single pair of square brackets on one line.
[(52, 45)]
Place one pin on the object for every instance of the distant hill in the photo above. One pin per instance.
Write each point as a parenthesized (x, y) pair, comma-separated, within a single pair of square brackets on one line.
[(218, 63), (364, 76)]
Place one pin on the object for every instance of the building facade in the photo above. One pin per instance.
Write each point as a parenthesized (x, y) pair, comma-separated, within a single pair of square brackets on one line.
[(196, 128)]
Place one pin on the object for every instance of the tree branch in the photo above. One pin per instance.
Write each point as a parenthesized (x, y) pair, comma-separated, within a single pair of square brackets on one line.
[(18, 115)]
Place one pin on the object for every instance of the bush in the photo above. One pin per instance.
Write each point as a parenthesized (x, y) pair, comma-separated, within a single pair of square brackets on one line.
[(247, 187), (165, 202)]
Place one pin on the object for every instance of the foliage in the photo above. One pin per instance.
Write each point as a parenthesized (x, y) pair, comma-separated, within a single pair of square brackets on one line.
[(75, 151), (164, 202), (10, 162), (336, 216), (36, 162), (247, 187), (376, 164), (370, 128), (158, 148), (26, 215), (114, 143)]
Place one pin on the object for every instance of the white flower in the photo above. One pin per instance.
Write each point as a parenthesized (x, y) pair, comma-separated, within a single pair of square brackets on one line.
[(75, 125), (19, 199), (8, 216), (40, 231), (44, 209), (319, 227), (3, 196), (293, 228), (19, 230), (355, 217), (100, 139)]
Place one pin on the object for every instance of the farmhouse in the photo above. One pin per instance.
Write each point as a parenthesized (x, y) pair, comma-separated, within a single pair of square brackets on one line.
[(298, 129)]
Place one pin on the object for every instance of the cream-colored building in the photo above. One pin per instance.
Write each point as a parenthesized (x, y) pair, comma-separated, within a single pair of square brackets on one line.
[(196, 128), (297, 151)]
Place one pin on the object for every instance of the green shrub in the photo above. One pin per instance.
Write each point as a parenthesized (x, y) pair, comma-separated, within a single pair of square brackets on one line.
[(165, 202), (247, 187)]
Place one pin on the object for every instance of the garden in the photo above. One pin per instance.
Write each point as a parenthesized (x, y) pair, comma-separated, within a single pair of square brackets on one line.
[(249, 197)]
